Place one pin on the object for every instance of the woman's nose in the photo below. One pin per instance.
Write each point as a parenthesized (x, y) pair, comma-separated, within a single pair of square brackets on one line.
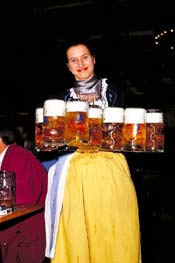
[(80, 63)]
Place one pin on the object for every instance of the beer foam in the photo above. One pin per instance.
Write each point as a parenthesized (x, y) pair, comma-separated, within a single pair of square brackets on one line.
[(113, 114), (77, 106), (95, 113), (154, 117), (54, 107), (135, 115), (39, 118)]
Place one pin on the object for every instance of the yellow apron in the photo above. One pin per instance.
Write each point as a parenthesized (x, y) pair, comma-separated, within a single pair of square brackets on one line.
[(99, 221)]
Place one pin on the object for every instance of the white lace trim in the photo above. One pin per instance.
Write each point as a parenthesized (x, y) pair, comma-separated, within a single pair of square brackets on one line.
[(73, 94)]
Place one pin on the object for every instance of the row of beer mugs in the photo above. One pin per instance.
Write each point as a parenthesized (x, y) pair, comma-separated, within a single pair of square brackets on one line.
[(76, 124)]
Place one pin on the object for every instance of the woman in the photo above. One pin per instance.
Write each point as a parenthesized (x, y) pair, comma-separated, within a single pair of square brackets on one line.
[(91, 201)]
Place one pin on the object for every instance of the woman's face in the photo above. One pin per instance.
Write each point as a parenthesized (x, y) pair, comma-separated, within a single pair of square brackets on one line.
[(80, 62)]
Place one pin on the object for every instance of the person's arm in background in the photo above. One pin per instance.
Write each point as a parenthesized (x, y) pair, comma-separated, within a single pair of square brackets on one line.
[(34, 182)]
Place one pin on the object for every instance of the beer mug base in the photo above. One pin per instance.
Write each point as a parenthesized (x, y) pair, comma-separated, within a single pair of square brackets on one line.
[(39, 149), (7, 206), (134, 149), (4, 210), (106, 149), (153, 150), (88, 149), (51, 146), (76, 143)]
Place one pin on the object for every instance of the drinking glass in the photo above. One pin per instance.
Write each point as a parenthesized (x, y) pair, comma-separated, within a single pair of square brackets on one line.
[(134, 129), (7, 191), (95, 128), (113, 118), (76, 123), (54, 124), (154, 130), (39, 119)]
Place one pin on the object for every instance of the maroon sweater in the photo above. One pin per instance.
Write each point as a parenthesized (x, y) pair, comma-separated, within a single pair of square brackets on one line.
[(24, 241)]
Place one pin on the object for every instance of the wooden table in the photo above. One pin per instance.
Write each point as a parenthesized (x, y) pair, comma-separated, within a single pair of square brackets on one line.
[(21, 210)]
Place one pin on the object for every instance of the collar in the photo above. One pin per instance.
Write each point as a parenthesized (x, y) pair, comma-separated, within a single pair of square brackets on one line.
[(84, 86), (99, 91), (2, 155)]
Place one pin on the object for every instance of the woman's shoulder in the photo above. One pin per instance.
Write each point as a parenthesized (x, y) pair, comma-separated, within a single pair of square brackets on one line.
[(115, 93)]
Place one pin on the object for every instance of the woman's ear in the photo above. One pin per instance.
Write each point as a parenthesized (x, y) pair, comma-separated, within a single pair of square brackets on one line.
[(67, 65), (94, 59)]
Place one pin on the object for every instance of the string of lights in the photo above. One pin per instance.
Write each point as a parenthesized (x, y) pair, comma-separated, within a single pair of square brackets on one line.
[(165, 39)]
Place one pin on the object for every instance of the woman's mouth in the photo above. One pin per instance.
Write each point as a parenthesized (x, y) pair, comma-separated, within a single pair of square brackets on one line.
[(82, 69)]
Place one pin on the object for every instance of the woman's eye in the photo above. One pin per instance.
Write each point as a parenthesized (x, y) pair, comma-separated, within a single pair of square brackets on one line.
[(86, 56), (72, 60)]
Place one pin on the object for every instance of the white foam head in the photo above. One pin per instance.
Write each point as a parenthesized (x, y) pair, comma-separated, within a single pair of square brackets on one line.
[(154, 116), (113, 114), (135, 115), (39, 118), (77, 106), (95, 113), (54, 107)]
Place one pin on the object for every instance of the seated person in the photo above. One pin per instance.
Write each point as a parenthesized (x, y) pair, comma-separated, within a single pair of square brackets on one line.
[(23, 241)]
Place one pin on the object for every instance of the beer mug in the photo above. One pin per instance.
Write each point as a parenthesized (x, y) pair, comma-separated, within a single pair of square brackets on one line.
[(154, 130), (113, 118), (54, 124), (134, 129), (7, 192), (76, 123), (95, 128), (39, 119)]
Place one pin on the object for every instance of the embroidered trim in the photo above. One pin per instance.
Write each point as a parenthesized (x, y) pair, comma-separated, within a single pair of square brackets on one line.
[(93, 99)]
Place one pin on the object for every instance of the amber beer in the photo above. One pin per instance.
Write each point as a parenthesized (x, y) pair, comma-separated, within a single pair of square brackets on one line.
[(113, 118), (76, 123), (134, 129), (54, 124), (154, 130), (7, 191), (95, 127), (39, 119)]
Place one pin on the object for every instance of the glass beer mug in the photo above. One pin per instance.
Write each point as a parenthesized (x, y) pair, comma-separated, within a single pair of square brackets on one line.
[(95, 128), (7, 192), (134, 129), (113, 118), (39, 119), (54, 124), (76, 123), (154, 130)]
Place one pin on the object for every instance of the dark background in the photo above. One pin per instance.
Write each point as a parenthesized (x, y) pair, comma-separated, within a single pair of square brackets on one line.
[(123, 32)]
